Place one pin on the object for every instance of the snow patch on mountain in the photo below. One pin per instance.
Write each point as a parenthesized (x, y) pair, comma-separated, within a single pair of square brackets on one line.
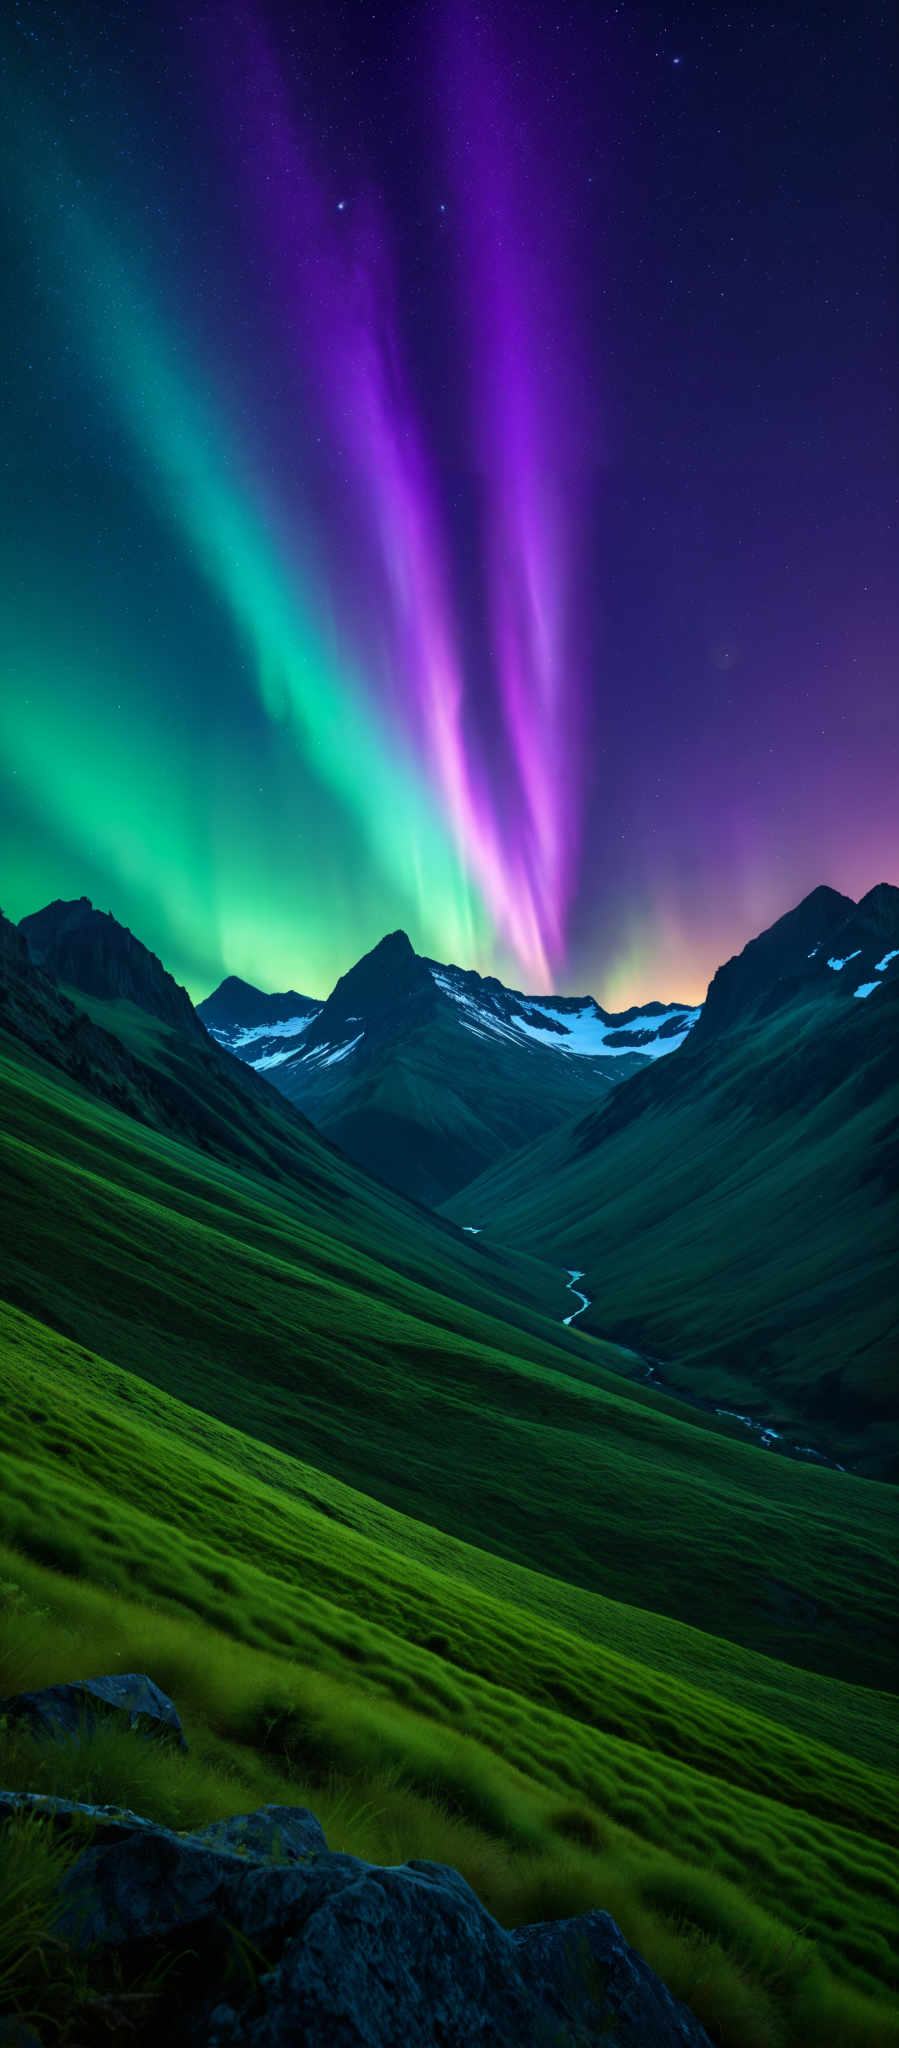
[(574, 1027), (880, 965), (585, 1032), (581, 1031), (271, 1059), (290, 1028), (328, 1055), (867, 988), (239, 1041), (837, 964)]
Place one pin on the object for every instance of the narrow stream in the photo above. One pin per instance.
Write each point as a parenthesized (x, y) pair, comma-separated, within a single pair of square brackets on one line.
[(573, 1275), (760, 1431)]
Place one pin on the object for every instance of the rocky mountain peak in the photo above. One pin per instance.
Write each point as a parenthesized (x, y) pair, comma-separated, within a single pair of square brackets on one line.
[(389, 972), (880, 909), (780, 956), (88, 950), (237, 1005)]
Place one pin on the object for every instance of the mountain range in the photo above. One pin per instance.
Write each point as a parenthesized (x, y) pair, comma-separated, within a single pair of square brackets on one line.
[(730, 1207), (427, 1074), (733, 1210), (408, 1547)]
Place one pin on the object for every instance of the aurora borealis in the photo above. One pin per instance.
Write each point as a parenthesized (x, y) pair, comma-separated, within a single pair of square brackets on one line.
[(447, 484)]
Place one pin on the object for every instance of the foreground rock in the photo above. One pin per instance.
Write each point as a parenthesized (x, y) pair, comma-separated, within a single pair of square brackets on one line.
[(62, 1711), (266, 1939)]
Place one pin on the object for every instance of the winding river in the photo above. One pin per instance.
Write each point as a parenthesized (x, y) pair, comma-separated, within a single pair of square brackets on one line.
[(760, 1432), (574, 1275)]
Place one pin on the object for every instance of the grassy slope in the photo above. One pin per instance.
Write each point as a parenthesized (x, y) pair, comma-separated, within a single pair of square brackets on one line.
[(279, 1312), (537, 1712), (740, 1222), (467, 1706)]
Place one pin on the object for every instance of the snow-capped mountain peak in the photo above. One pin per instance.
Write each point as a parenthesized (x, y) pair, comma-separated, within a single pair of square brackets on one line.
[(425, 1072), (574, 1026)]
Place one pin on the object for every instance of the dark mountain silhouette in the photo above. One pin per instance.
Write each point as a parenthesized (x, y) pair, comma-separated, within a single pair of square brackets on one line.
[(734, 1209), (426, 1074), (237, 1006), (89, 950)]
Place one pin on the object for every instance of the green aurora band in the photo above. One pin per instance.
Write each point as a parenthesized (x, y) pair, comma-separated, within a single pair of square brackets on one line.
[(115, 792)]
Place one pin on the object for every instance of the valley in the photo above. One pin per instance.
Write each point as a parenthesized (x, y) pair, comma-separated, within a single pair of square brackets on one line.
[(410, 1544), (734, 1207)]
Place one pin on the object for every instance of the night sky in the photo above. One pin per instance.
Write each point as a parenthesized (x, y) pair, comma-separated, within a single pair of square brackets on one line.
[(448, 481)]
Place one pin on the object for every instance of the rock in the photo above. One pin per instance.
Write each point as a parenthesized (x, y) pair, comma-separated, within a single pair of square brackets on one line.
[(361, 1955), (354, 1955), (62, 1710), (156, 1883), (582, 1969), (285, 1834), (273, 1834), (405, 1954), (151, 1884), (265, 1938), (100, 1823)]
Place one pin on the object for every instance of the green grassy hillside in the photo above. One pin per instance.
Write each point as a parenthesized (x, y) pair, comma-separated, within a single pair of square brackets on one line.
[(405, 1549), (735, 1214), (563, 1749), (331, 1320)]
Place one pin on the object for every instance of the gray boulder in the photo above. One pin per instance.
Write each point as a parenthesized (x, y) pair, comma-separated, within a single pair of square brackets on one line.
[(353, 1955), (65, 1710), (154, 1885), (580, 1970), (101, 1823), (388, 1956), (285, 1834)]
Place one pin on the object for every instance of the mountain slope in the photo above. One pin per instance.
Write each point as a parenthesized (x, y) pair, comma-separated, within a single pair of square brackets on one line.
[(88, 948), (827, 947), (321, 1311), (735, 1210), (426, 1074), (251, 1024), (564, 1749), (145, 1052), (317, 1460)]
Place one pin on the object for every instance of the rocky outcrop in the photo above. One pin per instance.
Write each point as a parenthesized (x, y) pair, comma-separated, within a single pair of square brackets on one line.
[(260, 1937), (585, 1975), (129, 1698), (88, 950)]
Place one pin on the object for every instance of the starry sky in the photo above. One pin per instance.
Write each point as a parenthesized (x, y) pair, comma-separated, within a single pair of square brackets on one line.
[(448, 480)]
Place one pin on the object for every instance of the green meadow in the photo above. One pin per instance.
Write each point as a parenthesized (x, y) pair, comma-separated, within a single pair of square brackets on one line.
[(403, 1549)]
